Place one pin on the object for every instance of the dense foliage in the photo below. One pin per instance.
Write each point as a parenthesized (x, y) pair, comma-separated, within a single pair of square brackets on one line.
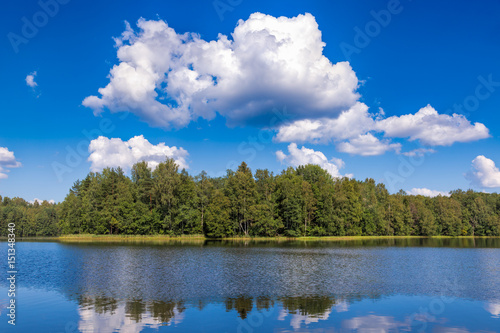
[(30, 219), (165, 311), (297, 202)]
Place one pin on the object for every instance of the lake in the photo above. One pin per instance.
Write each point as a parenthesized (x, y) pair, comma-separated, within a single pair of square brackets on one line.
[(384, 285)]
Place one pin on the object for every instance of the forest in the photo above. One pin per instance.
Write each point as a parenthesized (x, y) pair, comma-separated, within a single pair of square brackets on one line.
[(302, 201)]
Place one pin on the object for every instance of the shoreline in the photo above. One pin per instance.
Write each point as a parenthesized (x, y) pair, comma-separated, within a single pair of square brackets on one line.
[(202, 238)]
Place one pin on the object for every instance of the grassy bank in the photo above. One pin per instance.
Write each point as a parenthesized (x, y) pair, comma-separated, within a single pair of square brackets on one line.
[(202, 237), (130, 238), (85, 238), (198, 238)]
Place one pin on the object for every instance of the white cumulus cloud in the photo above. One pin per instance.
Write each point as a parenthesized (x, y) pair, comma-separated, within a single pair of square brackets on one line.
[(7, 161), (30, 80), (493, 308), (114, 152), (432, 128), (51, 201), (484, 173), (118, 320), (169, 79), (356, 125), (305, 156), (419, 152), (349, 124), (374, 323), (427, 193), (367, 145)]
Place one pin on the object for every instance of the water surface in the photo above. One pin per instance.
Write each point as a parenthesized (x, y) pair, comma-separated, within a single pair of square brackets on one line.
[(385, 285)]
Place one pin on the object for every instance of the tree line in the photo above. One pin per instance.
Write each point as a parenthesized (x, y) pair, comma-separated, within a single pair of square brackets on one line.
[(164, 311), (302, 201)]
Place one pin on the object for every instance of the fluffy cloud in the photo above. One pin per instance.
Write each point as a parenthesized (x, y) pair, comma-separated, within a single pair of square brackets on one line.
[(114, 152), (427, 193), (349, 124), (41, 201), (484, 173), (297, 319), (305, 156), (118, 320), (169, 79), (419, 152), (30, 80), (367, 145), (432, 128), (356, 124), (374, 323), (7, 161), (493, 308)]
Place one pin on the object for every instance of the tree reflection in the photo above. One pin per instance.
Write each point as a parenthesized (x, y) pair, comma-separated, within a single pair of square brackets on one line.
[(100, 304), (243, 305), (135, 309), (164, 312), (264, 303), (308, 306)]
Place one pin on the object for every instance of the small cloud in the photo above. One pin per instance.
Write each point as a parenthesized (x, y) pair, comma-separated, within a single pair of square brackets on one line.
[(30, 80), (484, 173), (367, 145), (51, 201), (115, 152), (342, 307), (427, 193), (493, 308), (381, 113), (338, 162), (432, 128), (305, 156), (374, 323), (7, 161), (418, 152), (349, 124)]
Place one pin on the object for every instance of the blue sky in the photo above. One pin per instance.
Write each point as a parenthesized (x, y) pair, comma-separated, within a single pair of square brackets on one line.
[(423, 53)]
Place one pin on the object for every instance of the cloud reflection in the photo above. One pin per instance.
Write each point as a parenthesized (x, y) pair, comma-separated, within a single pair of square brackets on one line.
[(129, 317), (373, 323), (493, 308)]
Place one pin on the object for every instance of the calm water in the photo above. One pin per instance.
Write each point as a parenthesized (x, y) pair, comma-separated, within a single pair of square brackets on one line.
[(447, 285)]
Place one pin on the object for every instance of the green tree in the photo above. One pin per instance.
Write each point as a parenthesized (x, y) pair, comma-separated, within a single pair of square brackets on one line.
[(142, 177), (166, 181), (423, 217), (348, 208), (187, 215), (289, 201), (217, 222), (204, 188), (449, 216), (243, 195), (308, 204), (266, 222)]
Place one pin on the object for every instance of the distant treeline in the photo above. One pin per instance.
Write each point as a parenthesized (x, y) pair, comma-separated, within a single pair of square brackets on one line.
[(164, 312), (297, 202)]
